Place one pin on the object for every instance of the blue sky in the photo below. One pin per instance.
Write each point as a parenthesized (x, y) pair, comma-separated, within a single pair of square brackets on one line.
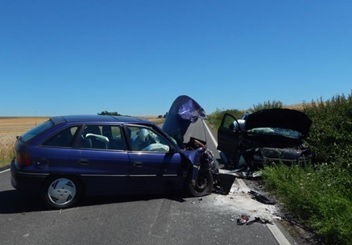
[(135, 57)]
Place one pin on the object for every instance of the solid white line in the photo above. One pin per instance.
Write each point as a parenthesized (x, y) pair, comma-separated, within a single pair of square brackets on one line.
[(211, 135), (279, 236), (4, 171)]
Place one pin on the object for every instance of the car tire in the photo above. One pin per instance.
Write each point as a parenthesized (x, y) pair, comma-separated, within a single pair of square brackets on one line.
[(61, 192), (203, 185)]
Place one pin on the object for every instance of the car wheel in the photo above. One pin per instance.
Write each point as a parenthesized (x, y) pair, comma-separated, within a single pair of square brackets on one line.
[(203, 184), (61, 192)]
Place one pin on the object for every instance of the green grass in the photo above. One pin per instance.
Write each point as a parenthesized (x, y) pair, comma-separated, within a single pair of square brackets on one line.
[(319, 197)]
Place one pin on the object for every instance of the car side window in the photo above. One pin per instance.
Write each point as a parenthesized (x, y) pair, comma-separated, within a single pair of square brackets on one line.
[(229, 122), (102, 137), (63, 138), (117, 141), (146, 139)]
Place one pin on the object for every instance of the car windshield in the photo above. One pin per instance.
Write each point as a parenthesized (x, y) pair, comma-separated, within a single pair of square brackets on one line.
[(276, 131), (37, 130)]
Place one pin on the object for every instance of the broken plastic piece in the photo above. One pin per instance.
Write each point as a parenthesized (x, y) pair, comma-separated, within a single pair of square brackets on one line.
[(261, 198), (260, 220), (223, 183), (243, 219)]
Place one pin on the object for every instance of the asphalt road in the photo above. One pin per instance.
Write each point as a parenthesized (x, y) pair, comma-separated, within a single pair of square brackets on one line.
[(172, 219)]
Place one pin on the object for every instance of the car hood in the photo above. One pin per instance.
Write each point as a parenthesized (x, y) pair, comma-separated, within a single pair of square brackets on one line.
[(279, 118), (183, 111)]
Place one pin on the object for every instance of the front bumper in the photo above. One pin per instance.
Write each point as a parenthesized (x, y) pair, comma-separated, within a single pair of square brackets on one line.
[(266, 156)]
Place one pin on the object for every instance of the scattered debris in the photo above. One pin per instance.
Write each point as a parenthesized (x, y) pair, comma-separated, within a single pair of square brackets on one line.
[(246, 174), (243, 219), (260, 220), (261, 198), (223, 183), (199, 200), (248, 209)]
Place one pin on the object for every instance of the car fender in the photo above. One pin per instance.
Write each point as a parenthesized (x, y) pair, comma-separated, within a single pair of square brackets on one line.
[(200, 158)]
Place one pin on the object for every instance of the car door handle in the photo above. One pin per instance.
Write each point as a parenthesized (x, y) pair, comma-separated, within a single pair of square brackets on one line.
[(83, 161), (137, 164)]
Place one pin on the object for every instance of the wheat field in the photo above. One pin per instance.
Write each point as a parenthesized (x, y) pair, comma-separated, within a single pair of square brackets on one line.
[(10, 127)]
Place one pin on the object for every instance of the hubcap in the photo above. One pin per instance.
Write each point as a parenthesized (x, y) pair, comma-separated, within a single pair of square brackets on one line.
[(61, 191)]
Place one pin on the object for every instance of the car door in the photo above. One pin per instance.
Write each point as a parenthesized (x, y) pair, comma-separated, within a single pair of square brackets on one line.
[(229, 136), (103, 166), (155, 166)]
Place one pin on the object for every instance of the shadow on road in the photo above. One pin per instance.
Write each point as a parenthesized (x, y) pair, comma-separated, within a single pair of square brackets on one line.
[(16, 202), (13, 201)]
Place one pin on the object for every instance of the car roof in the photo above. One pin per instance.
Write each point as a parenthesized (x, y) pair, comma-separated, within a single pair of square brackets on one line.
[(100, 119)]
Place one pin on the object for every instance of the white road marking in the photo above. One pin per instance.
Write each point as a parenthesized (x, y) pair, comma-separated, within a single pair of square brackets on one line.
[(211, 135), (6, 170)]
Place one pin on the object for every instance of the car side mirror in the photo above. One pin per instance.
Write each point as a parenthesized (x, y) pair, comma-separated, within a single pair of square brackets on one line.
[(171, 151)]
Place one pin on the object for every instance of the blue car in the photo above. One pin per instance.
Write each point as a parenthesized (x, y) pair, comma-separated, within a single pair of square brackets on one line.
[(70, 156)]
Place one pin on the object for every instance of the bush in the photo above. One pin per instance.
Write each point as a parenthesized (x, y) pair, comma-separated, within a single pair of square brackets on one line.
[(331, 131), (267, 105), (214, 119)]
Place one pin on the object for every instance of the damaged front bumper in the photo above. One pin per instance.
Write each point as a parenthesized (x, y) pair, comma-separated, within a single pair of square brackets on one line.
[(266, 156)]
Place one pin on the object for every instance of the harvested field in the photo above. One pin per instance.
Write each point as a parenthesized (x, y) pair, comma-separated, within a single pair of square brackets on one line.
[(10, 127)]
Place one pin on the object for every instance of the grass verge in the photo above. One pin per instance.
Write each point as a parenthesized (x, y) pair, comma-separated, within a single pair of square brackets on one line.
[(319, 197)]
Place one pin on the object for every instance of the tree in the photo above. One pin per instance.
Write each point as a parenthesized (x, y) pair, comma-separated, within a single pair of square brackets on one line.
[(108, 113), (267, 105)]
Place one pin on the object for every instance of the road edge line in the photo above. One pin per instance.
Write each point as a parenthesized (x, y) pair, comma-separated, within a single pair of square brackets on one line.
[(211, 134), (277, 233), (6, 170)]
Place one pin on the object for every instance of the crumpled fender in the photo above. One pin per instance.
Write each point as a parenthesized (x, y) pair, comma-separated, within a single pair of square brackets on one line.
[(195, 157)]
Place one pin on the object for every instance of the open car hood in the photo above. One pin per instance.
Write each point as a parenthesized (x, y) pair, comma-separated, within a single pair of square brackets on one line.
[(279, 118), (184, 111)]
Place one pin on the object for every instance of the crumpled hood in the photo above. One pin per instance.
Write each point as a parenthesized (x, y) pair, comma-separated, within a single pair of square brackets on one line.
[(184, 111), (279, 118)]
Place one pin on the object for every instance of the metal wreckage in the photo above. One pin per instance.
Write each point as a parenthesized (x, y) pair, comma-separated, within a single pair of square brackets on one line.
[(246, 145), (264, 137), (183, 112)]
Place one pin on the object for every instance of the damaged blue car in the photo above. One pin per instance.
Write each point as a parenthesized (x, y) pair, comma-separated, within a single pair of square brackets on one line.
[(70, 156)]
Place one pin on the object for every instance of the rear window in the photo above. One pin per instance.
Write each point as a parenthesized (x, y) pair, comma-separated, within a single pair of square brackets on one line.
[(37, 130)]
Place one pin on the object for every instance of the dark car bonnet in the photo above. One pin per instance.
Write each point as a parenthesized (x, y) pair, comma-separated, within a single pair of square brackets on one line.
[(279, 118)]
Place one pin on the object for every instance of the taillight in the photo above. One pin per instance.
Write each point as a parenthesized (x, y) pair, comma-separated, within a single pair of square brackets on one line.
[(23, 159)]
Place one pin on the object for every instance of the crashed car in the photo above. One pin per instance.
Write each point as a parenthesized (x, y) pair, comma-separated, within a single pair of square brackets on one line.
[(68, 156), (264, 137)]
